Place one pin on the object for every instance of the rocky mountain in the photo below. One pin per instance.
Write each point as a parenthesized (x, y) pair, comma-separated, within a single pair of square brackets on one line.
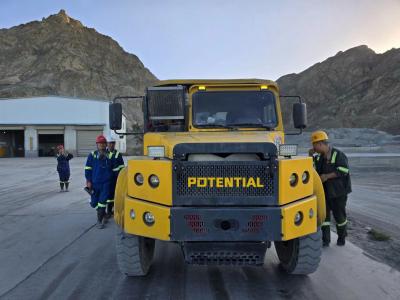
[(60, 56), (356, 88)]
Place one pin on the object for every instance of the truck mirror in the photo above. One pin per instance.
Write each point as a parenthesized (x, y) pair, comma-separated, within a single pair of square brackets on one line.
[(300, 115), (115, 116)]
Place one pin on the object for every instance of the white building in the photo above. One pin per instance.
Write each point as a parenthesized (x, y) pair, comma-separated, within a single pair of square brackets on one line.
[(35, 126)]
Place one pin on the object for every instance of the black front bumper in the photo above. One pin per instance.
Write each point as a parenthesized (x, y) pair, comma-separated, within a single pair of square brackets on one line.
[(225, 224)]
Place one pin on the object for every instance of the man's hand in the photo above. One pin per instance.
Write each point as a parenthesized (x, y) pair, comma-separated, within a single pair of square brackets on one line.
[(311, 152), (324, 177), (89, 184)]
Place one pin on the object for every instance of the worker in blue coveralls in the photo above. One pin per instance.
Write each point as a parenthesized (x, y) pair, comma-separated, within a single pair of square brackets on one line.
[(119, 164), (63, 170), (99, 173)]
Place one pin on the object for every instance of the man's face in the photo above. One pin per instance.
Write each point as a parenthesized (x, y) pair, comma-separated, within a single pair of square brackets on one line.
[(111, 146), (319, 147), (101, 146)]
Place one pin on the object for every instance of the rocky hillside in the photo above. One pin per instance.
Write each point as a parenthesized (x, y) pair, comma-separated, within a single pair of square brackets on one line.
[(60, 56), (355, 88)]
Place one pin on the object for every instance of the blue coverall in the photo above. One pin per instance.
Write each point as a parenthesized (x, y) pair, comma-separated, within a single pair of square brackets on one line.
[(63, 167), (99, 171)]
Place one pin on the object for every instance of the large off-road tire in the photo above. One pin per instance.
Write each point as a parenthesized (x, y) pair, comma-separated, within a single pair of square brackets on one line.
[(302, 255), (134, 254)]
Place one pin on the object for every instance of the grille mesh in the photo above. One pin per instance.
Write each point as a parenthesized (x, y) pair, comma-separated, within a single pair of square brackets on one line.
[(224, 169)]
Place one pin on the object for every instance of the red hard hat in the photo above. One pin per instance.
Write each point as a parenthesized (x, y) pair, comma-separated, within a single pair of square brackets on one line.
[(101, 139)]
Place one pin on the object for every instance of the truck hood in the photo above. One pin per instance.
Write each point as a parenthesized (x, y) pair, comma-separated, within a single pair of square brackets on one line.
[(170, 139)]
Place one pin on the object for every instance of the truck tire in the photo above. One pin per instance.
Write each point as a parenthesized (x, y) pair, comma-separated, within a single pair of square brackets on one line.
[(134, 254), (300, 256)]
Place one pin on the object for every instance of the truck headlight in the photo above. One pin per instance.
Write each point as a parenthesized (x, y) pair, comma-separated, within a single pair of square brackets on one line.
[(156, 151), (305, 177), (154, 181), (132, 214), (148, 218), (293, 179), (298, 218), (287, 150), (138, 179)]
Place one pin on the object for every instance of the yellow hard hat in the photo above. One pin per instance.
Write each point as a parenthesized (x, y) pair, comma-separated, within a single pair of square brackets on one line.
[(318, 136)]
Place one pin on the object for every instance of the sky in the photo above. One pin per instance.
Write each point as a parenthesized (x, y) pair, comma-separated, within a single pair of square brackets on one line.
[(230, 38)]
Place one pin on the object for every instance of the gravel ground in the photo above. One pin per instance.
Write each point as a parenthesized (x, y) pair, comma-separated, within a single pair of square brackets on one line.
[(375, 205), (387, 252)]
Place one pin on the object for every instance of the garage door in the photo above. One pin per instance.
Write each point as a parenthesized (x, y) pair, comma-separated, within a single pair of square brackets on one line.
[(86, 141)]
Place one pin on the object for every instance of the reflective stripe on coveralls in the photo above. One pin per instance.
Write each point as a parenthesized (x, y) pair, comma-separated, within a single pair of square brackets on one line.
[(326, 224), (99, 205), (119, 168), (333, 160), (343, 169)]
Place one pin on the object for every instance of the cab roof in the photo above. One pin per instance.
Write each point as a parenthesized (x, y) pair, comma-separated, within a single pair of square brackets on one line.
[(190, 82)]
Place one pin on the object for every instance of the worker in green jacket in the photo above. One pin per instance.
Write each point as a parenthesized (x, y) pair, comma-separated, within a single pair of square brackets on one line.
[(333, 169)]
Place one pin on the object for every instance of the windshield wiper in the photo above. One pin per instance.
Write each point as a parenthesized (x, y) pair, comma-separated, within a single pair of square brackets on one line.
[(251, 125), (218, 126)]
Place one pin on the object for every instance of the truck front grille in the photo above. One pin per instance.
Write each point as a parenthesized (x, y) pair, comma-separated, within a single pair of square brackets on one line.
[(258, 170)]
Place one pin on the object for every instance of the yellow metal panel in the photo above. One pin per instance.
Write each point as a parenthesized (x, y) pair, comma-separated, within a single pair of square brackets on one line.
[(309, 224), (121, 191), (319, 192), (148, 166), (297, 165), (170, 139), (159, 230)]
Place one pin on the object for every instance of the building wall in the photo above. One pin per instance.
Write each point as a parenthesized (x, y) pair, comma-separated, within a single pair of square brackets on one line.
[(67, 115)]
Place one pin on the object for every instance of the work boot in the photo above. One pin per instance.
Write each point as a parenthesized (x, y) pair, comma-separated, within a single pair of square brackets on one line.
[(100, 218), (105, 219), (342, 232), (66, 186), (326, 234), (341, 241), (61, 186)]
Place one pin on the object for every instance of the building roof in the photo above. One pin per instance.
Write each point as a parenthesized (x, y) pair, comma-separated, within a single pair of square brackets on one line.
[(53, 110)]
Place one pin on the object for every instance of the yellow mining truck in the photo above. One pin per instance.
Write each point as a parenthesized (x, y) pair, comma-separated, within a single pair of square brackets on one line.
[(217, 178)]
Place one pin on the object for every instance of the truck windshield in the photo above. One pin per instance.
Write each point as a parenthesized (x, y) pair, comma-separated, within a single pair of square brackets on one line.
[(232, 109)]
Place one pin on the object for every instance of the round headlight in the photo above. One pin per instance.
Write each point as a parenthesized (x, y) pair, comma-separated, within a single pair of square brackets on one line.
[(298, 218), (139, 179), (293, 179), (305, 177), (132, 214), (148, 218), (154, 181)]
